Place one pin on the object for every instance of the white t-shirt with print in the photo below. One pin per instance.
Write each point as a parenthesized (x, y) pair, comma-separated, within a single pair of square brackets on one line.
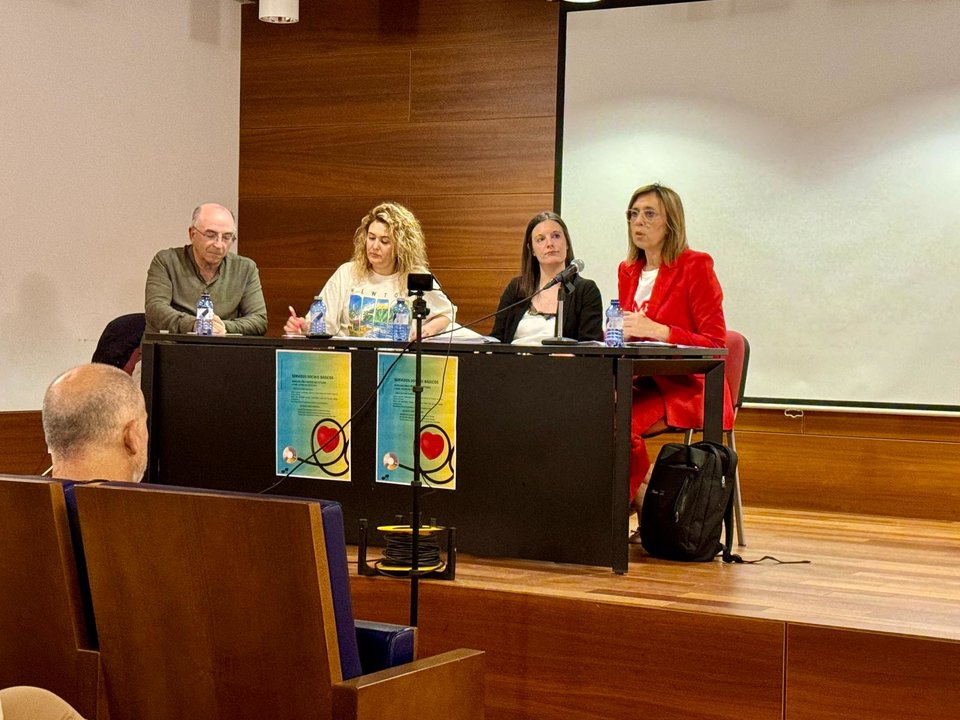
[(355, 306)]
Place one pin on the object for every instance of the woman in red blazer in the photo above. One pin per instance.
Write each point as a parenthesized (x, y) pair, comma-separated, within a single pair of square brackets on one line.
[(669, 293)]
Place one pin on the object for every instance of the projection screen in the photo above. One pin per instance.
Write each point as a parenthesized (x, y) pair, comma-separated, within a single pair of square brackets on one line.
[(816, 146)]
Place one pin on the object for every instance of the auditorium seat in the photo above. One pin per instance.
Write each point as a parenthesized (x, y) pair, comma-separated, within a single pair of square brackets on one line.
[(46, 639), (237, 605)]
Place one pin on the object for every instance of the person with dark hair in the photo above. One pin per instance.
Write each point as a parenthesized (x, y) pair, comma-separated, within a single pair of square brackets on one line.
[(178, 276), (387, 246), (95, 425), (669, 293), (547, 250)]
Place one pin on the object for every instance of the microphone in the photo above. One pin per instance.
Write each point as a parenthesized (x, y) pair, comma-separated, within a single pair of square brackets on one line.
[(567, 273)]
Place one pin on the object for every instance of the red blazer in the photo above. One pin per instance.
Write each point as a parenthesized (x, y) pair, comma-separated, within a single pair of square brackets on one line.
[(688, 298)]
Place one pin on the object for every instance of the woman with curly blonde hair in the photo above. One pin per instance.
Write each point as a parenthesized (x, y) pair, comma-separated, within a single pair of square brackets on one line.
[(387, 246)]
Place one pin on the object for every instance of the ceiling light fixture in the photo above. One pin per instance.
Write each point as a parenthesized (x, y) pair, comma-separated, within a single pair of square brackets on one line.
[(280, 11)]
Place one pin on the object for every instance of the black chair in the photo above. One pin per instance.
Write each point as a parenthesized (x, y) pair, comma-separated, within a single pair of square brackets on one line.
[(119, 343)]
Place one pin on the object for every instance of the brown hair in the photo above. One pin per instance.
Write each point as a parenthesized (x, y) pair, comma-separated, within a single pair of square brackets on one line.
[(675, 241), (529, 266)]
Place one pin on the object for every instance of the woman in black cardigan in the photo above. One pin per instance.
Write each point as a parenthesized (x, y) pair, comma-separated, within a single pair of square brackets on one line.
[(547, 250)]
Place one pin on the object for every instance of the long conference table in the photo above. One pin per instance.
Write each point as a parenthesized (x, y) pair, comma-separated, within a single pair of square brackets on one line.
[(543, 436)]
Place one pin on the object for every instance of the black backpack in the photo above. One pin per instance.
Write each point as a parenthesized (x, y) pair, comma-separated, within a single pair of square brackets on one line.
[(688, 500)]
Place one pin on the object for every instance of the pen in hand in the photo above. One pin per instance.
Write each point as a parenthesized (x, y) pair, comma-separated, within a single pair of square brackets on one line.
[(296, 318)]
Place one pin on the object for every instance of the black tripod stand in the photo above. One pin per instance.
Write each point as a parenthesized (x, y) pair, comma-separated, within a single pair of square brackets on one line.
[(417, 284), (419, 313)]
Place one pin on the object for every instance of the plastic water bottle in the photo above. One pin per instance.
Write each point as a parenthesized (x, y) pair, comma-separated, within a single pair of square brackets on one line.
[(613, 334), (400, 321), (204, 323), (318, 317)]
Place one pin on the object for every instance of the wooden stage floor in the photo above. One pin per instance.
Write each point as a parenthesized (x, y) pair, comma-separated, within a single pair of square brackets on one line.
[(870, 628)]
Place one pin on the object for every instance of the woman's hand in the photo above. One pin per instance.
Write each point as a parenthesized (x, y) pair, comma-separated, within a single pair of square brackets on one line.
[(431, 327), (294, 324), (638, 325)]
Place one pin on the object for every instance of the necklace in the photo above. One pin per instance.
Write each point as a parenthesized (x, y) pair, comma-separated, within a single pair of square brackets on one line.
[(536, 313)]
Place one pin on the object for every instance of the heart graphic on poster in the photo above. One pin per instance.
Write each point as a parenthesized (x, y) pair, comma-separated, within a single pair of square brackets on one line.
[(327, 439), (431, 445)]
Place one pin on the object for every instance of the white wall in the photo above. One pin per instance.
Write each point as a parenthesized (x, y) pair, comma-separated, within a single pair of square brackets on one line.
[(116, 118), (816, 146)]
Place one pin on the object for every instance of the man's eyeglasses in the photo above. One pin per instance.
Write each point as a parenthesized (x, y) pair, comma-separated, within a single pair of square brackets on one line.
[(212, 235), (647, 214)]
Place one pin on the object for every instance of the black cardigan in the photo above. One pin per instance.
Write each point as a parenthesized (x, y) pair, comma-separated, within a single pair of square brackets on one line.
[(583, 309)]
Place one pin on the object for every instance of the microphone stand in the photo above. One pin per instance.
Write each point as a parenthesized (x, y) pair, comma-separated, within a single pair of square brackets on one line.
[(419, 313), (558, 338)]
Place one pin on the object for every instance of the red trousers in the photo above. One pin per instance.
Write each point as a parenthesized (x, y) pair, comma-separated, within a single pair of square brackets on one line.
[(648, 408)]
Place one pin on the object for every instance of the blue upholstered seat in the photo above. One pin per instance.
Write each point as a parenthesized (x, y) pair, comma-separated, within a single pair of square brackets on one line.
[(365, 647)]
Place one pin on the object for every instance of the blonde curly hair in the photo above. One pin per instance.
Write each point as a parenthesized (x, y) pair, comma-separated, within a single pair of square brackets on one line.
[(410, 248)]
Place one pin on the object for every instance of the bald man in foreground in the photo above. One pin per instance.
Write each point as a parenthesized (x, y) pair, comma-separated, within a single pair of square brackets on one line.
[(33, 703), (95, 425)]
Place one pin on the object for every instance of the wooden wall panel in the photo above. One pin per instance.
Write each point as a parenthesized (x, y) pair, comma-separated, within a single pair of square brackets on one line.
[(851, 424), (847, 474), (471, 232), (23, 450), (379, 24), (849, 675), (389, 160), (471, 294), (464, 232), (903, 427), (557, 657), (449, 84), (325, 89), (283, 287), (764, 420), (328, 130), (297, 232)]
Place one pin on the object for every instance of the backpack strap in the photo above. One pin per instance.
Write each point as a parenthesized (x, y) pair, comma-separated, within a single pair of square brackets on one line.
[(727, 547)]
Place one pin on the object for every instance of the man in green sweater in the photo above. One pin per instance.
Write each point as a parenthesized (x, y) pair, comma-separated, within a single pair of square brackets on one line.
[(178, 276)]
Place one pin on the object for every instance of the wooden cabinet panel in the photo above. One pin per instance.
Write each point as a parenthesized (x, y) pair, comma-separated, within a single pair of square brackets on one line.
[(853, 475), (23, 449), (392, 160), (849, 675), (450, 84), (322, 89)]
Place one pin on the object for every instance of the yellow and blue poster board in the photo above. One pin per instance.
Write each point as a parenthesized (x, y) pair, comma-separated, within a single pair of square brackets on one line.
[(395, 423), (313, 407)]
